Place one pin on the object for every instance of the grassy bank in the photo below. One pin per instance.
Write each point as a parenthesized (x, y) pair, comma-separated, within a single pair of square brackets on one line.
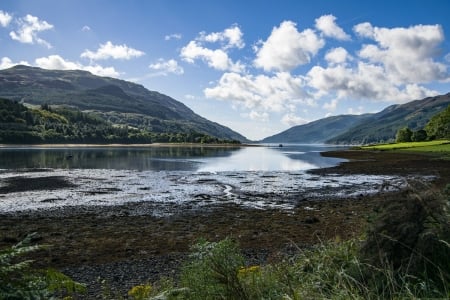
[(429, 146)]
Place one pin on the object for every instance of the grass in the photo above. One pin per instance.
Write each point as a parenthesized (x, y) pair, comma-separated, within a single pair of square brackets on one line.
[(428, 146)]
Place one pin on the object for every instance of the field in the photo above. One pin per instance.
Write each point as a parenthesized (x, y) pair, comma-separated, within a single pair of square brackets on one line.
[(429, 146)]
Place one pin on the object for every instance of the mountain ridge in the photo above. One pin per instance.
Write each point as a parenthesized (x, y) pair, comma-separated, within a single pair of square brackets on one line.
[(124, 102), (367, 128)]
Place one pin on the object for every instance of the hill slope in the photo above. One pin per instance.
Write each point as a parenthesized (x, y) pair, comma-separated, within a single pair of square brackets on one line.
[(318, 131), (117, 101), (367, 128), (382, 126)]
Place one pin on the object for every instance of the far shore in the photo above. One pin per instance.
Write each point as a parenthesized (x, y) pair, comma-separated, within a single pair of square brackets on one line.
[(125, 145)]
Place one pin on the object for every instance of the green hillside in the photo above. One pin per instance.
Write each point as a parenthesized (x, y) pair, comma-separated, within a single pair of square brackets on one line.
[(365, 129), (117, 101), (22, 125), (383, 126), (318, 131)]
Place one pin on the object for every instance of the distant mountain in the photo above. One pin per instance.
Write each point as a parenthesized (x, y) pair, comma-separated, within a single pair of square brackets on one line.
[(383, 126), (317, 132), (117, 101), (367, 128)]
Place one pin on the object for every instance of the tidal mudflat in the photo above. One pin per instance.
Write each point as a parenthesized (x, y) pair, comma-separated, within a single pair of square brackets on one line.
[(131, 226)]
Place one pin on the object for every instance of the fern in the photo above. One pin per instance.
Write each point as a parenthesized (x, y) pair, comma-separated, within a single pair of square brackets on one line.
[(18, 280)]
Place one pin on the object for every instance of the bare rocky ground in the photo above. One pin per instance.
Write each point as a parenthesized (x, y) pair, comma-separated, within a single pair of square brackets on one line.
[(106, 244)]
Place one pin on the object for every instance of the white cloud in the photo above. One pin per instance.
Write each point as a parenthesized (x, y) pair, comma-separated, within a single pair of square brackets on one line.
[(56, 62), (357, 111), (293, 120), (258, 116), (217, 59), (365, 81), (332, 105), (165, 67), (29, 27), (86, 28), (5, 18), (337, 56), (189, 97), (231, 36), (174, 36), (7, 63), (263, 93), (327, 25), (407, 54), (109, 50), (364, 30), (286, 48)]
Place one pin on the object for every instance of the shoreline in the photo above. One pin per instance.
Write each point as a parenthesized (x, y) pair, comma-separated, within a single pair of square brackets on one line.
[(6, 146), (127, 250)]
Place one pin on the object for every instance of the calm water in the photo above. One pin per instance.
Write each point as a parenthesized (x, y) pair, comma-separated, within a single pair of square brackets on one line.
[(201, 159)]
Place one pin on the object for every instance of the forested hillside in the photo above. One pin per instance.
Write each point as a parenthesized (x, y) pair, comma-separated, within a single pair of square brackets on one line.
[(113, 100), (46, 124)]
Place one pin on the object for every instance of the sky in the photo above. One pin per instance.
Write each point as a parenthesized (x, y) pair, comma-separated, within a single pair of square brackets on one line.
[(256, 66)]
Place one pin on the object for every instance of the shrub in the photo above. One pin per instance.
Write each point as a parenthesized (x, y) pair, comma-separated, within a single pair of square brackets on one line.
[(18, 280), (410, 240)]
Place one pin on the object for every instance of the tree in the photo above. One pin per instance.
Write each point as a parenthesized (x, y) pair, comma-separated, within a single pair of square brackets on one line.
[(439, 125), (403, 135), (419, 136)]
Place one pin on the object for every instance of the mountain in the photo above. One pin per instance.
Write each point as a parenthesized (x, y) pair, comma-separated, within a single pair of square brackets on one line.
[(117, 101), (367, 128), (316, 132), (383, 126)]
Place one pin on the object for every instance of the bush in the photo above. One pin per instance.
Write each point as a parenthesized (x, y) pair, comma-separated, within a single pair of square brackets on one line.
[(18, 280), (410, 240)]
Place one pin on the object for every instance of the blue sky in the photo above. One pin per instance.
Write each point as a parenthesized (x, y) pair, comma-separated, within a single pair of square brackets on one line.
[(258, 67)]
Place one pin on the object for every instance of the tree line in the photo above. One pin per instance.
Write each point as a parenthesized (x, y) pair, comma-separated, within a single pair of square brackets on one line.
[(20, 124), (437, 128)]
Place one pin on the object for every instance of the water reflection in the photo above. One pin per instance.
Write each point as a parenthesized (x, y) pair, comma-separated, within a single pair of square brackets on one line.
[(272, 158), (202, 159)]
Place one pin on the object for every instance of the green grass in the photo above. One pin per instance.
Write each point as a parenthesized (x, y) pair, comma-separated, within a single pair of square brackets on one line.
[(429, 146)]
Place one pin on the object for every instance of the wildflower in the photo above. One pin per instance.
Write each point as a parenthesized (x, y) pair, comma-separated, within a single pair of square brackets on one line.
[(139, 292), (249, 270)]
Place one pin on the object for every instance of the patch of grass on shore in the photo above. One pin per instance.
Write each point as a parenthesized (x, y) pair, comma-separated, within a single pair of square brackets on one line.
[(429, 146)]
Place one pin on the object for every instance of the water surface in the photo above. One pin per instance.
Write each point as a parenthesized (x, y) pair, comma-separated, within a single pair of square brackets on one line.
[(179, 158)]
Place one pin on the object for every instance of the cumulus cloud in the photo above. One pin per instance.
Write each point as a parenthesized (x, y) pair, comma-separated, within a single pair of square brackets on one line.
[(337, 56), (263, 93), (258, 116), (56, 62), (28, 30), (327, 25), (109, 50), (286, 48), (290, 120), (86, 28), (5, 18), (6, 63), (332, 105), (174, 36), (165, 67), (232, 37), (365, 81), (217, 58), (397, 48)]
